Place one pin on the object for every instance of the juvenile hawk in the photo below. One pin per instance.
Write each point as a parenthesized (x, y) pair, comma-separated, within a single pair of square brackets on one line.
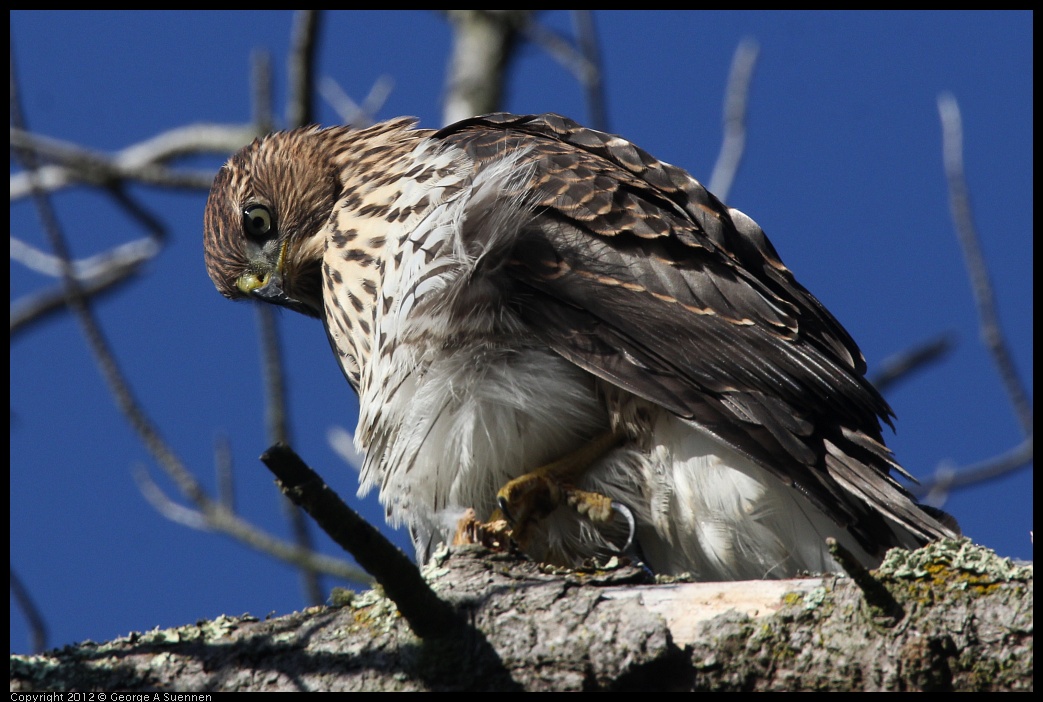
[(546, 319)]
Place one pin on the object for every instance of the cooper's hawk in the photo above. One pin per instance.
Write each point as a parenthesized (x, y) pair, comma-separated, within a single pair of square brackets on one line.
[(512, 290)]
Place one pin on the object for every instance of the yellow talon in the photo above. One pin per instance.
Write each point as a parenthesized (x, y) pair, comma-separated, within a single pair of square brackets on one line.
[(533, 496)]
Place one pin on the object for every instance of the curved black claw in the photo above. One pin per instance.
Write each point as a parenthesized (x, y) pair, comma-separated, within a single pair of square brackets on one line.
[(629, 516), (501, 502)]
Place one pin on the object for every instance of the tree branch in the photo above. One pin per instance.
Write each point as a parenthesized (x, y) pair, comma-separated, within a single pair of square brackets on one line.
[(901, 365), (351, 112), (483, 45), (96, 275), (735, 105), (37, 625), (946, 478), (590, 79), (304, 44), (142, 162), (991, 331), (427, 615), (603, 629)]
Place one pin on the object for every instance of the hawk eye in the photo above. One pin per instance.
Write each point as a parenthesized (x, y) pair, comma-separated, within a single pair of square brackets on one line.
[(257, 221)]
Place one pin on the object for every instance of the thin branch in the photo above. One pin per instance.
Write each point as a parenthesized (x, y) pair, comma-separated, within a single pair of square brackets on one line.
[(947, 478), (141, 163), (735, 107), (351, 112), (427, 614), (303, 558), (561, 50), (271, 353), (901, 365), (152, 224), (37, 626), (991, 331), (224, 471), (884, 609), (593, 86), (299, 112), (85, 269), (36, 307), (99, 274), (278, 430), (304, 43), (276, 421), (375, 98), (175, 512), (261, 90)]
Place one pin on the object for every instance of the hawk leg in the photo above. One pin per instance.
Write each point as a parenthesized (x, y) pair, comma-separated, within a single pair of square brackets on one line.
[(531, 497)]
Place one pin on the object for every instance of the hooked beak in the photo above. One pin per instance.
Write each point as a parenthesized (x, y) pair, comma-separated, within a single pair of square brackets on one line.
[(268, 286)]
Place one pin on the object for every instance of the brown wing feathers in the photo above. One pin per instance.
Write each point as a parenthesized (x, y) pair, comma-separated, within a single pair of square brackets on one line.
[(685, 303)]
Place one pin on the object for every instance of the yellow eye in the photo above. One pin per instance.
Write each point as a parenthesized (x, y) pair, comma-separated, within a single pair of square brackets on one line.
[(257, 221)]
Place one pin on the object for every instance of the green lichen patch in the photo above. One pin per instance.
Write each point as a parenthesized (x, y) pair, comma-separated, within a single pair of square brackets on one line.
[(956, 564)]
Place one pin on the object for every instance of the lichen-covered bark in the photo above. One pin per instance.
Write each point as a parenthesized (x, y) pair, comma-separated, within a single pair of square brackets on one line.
[(964, 628), (966, 624)]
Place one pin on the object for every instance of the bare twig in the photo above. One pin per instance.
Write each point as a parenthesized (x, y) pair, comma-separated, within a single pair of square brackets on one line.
[(375, 99), (261, 90), (882, 608), (141, 163), (735, 104), (87, 268), (561, 49), (175, 512), (224, 471), (203, 520), (901, 365), (37, 626), (274, 378), (96, 275), (351, 112), (155, 227), (271, 352), (991, 331), (428, 616), (299, 112), (587, 37), (279, 431), (947, 478), (36, 307), (101, 273), (304, 43)]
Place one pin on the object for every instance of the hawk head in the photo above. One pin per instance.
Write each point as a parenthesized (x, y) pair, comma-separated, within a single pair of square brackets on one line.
[(266, 218)]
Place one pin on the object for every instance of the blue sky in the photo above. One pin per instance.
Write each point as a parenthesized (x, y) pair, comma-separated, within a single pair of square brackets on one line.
[(842, 169)]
